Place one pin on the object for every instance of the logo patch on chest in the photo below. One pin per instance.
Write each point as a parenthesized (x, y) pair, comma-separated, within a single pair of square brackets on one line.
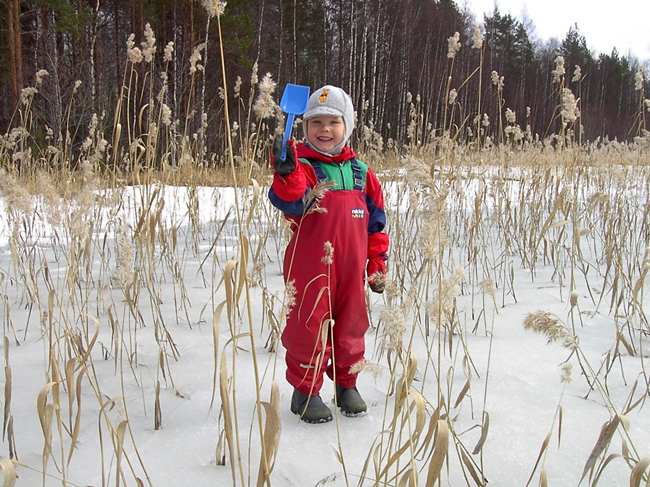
[(358, 213)]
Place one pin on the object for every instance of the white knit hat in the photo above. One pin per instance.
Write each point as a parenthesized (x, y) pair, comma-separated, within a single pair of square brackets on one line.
[(334, 102)]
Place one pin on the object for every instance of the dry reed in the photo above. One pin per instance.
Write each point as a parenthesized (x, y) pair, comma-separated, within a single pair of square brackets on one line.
[(97, 246)]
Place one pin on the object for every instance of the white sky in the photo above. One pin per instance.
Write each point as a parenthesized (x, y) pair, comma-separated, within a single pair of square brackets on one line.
[(622, 24)]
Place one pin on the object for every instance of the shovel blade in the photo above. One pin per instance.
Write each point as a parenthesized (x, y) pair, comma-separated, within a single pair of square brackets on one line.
[(295, 99), (294, 102)]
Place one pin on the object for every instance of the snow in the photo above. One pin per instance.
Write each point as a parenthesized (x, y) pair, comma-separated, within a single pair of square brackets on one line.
[(515, 374)]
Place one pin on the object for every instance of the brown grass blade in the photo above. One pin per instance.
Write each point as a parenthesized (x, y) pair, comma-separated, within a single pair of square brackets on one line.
[(8, 383), (227, 278), (216, 321), (119, 450), (484, 432), (93, 340), (11, 438), (560, 415), (271, 437), (440, 449), (638, 285), (69, 380), (7, 408), (227, 415), (219, 454), (157, 422), (401, 393), (621, 338), (409, 479), (559, 224), (411, 368), (41, 406), (216, 239), (547, 224), (254, 201), (244, 247), (337, 454), (543, 480), (463, 392), (433, 422), (145, 211), (638, 472), (601, 469), (46, 421), (77, 421), (469, 464), (606, 433), (419, 404), (372, 455), (8, 472), (539, 457), (631, 406)]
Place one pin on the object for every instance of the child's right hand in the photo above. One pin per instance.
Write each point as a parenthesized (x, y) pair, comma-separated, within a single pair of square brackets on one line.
[(289, 164)]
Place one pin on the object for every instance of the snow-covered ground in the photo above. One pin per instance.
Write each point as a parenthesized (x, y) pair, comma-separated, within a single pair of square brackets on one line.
[(515, 375)]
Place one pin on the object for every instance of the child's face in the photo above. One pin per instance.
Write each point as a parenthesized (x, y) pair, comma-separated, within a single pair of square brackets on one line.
[(325, 132)]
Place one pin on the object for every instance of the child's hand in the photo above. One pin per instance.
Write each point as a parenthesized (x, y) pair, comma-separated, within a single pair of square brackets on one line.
[(378, 284), (377, 274), (289, 164)]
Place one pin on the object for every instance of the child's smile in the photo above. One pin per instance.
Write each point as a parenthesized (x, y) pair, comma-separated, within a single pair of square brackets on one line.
[(325, 132)]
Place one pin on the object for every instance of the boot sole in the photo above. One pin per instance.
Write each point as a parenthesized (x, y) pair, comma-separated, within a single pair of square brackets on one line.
[(312, 421), (308, 421), (350, 414), (295, 410)]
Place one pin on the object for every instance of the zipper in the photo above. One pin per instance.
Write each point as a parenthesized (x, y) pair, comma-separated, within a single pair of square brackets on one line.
[(342, 175)]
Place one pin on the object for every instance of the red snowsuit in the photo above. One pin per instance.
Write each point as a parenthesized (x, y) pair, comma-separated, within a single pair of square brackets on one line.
[(353, 224)]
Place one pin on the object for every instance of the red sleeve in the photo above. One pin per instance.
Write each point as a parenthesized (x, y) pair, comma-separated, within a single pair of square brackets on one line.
[(378, 241), (378, 245), (293, 186), (373, 189), (290, 187)]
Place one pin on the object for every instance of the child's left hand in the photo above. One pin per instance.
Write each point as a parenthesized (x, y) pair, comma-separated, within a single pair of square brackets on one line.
[(378, 285), (377, 274)]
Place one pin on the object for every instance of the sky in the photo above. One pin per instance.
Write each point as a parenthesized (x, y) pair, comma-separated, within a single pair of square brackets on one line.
[(621, 24)]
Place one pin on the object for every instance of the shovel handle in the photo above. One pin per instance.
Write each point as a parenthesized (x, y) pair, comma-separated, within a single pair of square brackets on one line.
[(287, 134)]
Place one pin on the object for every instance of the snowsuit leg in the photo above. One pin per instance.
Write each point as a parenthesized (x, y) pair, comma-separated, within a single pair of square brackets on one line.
[(327, 292), (306, 335), (350, 326)]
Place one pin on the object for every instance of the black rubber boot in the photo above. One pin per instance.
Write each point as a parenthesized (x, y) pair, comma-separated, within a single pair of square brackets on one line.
[(310, 408), (350, 401)]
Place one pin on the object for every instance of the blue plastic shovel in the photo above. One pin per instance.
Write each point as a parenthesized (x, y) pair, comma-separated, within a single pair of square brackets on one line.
[(294, 102)]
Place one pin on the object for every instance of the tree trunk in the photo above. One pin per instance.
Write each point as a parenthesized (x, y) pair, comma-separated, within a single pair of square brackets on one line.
[(47, 57), (93, 67), (15, 49), (281, 43), (294, 30)]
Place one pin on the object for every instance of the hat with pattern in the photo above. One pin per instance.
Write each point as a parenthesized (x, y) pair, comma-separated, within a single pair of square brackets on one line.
[(333, 102)]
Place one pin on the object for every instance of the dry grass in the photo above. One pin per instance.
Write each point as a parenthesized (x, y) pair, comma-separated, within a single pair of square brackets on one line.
[(97, 245)]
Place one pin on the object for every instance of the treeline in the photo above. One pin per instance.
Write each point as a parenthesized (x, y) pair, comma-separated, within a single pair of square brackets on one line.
[(410, 75)]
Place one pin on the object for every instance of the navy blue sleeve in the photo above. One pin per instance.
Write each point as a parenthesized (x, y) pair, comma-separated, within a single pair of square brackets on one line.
[(376, 216), (289, 208)]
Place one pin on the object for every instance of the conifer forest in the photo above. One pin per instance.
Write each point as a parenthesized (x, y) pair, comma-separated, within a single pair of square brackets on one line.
[(392, 57)]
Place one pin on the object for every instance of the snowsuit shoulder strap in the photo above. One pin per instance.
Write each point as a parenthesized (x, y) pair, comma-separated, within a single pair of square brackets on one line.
[(348, 175), (359, 173)]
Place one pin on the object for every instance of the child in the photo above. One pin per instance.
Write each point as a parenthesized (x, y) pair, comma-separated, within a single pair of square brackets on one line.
[(325, 328)]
